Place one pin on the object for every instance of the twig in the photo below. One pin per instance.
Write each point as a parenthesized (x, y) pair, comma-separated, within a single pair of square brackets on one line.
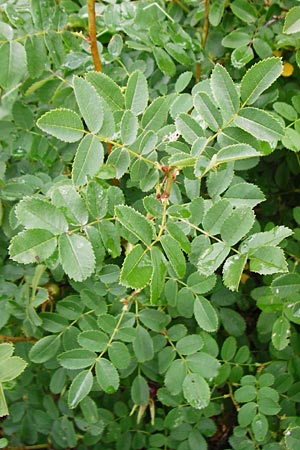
[(206, 24), (93, 36), (16, 338)]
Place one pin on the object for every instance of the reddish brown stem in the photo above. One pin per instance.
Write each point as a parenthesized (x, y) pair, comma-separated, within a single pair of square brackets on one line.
[(16, 338), (93, 36), (206, 24)]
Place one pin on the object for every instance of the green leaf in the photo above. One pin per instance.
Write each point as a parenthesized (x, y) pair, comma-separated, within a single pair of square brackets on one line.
[(175, 376), (143, 345), (129, 127), (93, 340), (11, 368), (54, 43), (229, 348), (174, 254), (233, 270), (237, 224), (259, 78), (158, 274), (148, 142), (63, 124), (236, 39), (219, 180), (270, 238), (243, 10), (36, 213), (13, 64), (245, 394), (80, 388), (260, 124), (136, 94), (208, 111), (285, 285), (32, 246), (216, 12), (260, 427), (179, 53), (233, 322), (189, 345), (36, 55), (76, 358), (205, 315), (76, 256), (6, 350), (89, 103), (120, 159), (196, 391), (225, 92), (136, 223), (137, 268), (212, 258), (235, 153), (88, 160), (188, 127), (281, 333), (241, 56), (247, 413), (156, 113), (183, 81), (291, 439), (44, 349), (177, 233), (119, 355), (292, 21), (164, 62), (140, 391), (107, 89), (204, 364), (286, 110), (216, 215), (107, 376), (244, 194), (65, 196), (268, 260)]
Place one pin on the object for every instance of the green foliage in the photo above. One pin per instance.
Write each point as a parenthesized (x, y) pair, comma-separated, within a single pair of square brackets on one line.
[(150, 225)]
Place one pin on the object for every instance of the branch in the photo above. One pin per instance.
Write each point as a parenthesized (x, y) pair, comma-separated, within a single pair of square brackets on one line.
[(17, 338), (92, 35), (206, 24)]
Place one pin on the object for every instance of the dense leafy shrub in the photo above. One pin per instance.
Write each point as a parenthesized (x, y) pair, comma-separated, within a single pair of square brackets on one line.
[(150, 286)]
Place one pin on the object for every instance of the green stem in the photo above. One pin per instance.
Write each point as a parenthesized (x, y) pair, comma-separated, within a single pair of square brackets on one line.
[(93, 35)]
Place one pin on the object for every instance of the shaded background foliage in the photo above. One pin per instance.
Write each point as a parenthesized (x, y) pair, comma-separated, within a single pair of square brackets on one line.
[(159, 303)]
